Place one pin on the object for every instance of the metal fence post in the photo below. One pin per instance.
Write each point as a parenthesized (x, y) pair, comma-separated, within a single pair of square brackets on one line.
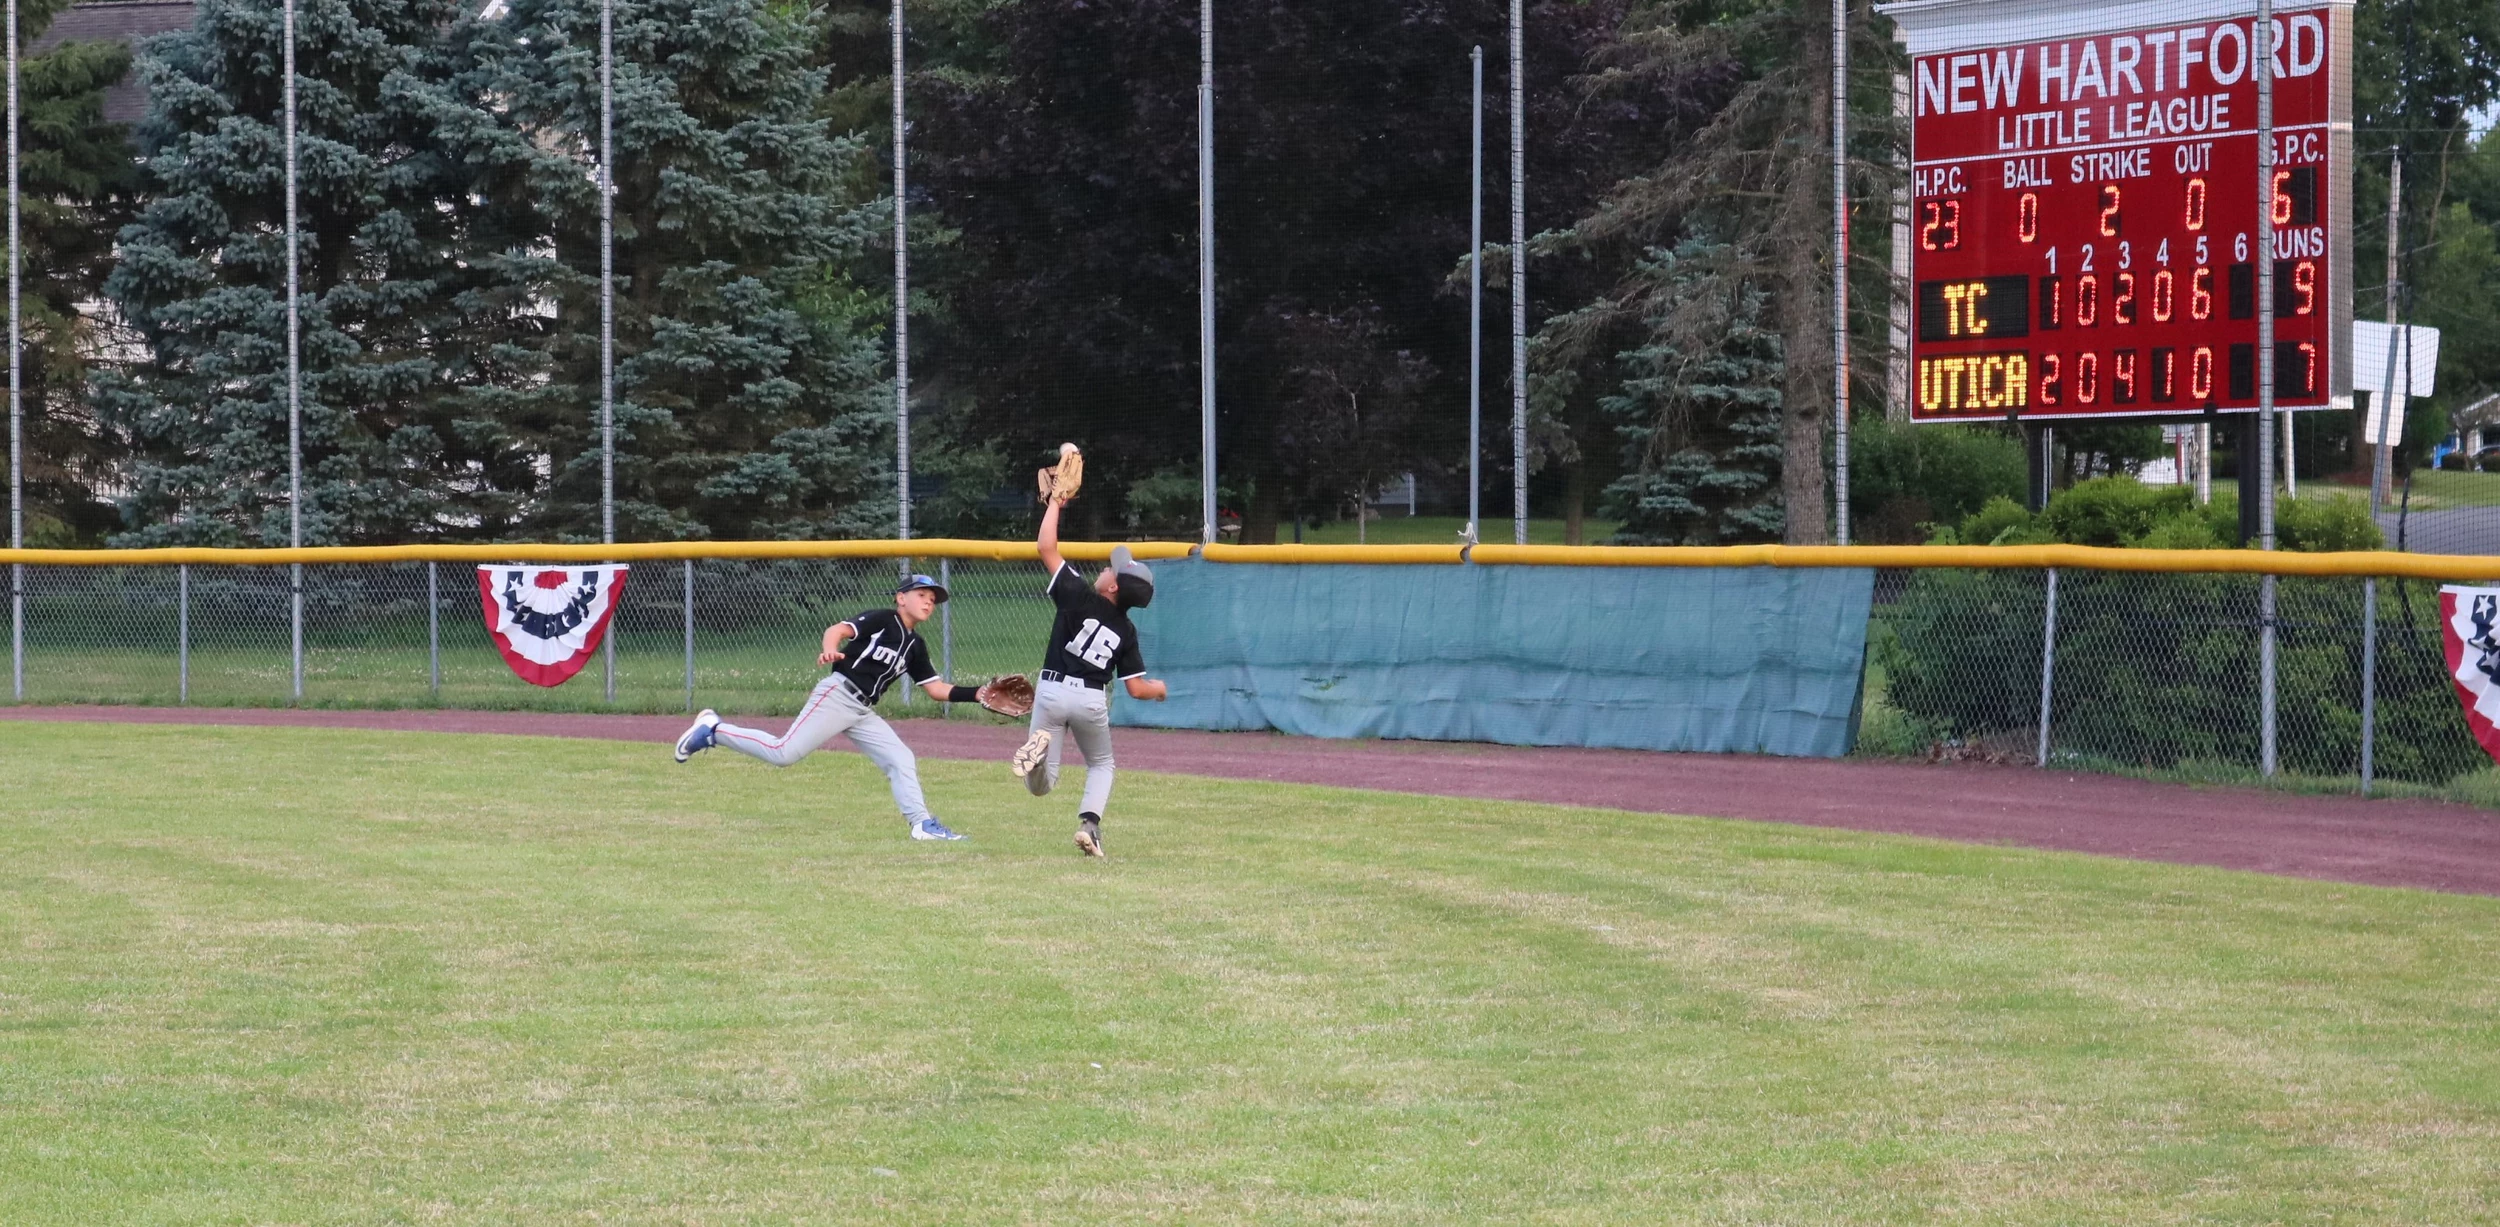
[(2369, 679), (2268, 745), (295, 626), (946, 628), (689, 611), (182, 634), (2048, 664), (433, 632)]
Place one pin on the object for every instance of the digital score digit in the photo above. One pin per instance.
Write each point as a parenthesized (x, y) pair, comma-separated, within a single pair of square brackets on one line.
[(2085, 213)]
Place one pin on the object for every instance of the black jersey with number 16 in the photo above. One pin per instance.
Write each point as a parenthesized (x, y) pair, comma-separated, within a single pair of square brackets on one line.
[(1092, 639)]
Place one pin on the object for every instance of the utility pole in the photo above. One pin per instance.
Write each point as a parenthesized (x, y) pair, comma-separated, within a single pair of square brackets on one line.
[(1897, 353), (2383, 408)]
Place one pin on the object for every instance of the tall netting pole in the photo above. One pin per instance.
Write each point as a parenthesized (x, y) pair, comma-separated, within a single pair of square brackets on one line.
[(902, 312), (1840, 271), (1518, 274), (607, 305), (2261, 60), (17, 410), (294, 371), (1475, 308), (1206, 268)]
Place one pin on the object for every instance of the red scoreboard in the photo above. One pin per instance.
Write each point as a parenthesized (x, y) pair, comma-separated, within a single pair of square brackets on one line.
[(2084, 208)]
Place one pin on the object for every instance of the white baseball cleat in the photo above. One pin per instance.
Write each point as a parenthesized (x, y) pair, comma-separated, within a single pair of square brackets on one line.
[(1030, 754)]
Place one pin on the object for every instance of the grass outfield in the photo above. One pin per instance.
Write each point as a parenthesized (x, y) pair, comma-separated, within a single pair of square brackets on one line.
[(297, 976), (767, 678)]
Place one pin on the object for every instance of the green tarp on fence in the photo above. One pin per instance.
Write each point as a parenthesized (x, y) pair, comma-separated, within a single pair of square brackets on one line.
[(1756, 660)]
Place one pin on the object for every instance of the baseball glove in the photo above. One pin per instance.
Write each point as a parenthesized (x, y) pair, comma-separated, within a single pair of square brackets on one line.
[(1011, 695), (1061, 481)]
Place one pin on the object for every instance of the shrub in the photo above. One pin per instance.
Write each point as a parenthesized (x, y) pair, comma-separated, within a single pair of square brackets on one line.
[(2121, 511), (1903, 479), (2114, 511), (2157, 671)]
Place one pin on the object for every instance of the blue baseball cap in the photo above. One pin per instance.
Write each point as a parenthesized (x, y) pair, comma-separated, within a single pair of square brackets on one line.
[(923, 581)]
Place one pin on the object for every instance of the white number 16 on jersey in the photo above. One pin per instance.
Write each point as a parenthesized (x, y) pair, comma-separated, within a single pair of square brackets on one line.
[(1094, 643)]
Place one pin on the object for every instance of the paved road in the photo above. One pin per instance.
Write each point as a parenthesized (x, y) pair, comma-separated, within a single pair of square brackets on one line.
[(2423, 844)]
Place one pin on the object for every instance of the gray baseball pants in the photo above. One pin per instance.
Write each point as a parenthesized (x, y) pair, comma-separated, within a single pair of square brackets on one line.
[(1067, 710), (833, 710)]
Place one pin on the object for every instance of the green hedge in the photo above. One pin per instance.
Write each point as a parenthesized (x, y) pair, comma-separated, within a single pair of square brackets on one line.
[(2156, 671)]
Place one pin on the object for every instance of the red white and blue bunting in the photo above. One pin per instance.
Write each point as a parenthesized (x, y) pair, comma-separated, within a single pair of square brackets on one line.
[(2469, 625), (548, 620)]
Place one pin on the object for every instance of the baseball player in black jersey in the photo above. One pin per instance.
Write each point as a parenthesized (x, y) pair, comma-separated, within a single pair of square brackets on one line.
[(1092, 644), (868, 653)]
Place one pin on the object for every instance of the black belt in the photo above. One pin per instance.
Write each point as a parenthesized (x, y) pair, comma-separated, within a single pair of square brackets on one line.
[(1053, 675)]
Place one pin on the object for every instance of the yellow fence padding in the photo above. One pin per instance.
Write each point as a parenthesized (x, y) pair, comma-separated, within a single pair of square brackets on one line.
[(1374, 554), (2079, 557)]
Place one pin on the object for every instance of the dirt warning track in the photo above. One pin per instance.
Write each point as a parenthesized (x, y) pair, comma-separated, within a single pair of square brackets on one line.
[(2426, 844)]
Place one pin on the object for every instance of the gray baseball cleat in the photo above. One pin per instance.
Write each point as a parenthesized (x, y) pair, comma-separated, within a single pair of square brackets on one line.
[(1030, 754)]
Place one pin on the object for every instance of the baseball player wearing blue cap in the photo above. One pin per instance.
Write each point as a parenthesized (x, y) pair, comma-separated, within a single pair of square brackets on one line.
[(1092, 644), (867, 653)]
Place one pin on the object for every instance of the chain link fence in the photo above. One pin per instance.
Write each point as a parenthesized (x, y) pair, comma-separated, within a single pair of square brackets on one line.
[(733, 634), (2157, 674), (2152, 674)]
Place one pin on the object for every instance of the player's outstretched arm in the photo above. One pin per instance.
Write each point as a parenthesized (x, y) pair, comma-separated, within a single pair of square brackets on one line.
[(835, 636), (1148, 688), (1048, 540)]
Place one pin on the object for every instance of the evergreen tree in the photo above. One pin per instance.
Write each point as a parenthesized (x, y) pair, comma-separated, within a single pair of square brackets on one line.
[(75, 176), (1699, 409), (202, 283), (750, 397), (1755, 171)]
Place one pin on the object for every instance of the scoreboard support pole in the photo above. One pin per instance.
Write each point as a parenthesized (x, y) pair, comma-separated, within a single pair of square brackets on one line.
[(2250, 451), (2039, 464)]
